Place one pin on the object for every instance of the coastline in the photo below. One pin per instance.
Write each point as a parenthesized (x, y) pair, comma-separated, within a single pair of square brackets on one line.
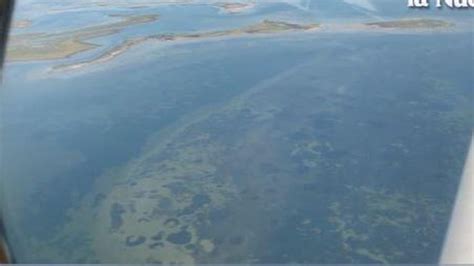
[(265, 27), (39, 46), (42, 46)]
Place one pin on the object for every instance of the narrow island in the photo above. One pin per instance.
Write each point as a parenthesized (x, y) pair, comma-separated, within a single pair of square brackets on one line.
[(421, 23), (264, 27), (234, 8), (43, 46)]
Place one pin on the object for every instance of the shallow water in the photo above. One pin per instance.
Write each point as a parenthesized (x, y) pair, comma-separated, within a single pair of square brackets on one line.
[(305, 148)]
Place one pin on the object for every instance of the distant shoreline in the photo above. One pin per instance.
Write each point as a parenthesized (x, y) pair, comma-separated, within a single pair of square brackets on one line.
[(63, 45), (264, 27)]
